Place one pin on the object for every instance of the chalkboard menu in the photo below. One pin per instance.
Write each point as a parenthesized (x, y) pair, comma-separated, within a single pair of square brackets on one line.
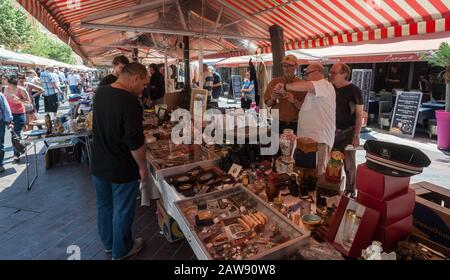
[(362, 78), (236, 84), (406, 111)]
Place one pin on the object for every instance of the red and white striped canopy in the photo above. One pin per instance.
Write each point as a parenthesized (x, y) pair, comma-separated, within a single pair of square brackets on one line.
[(306, 23)]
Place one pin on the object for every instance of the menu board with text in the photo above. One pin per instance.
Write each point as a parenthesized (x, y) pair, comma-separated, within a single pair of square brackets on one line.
[(406, 111)]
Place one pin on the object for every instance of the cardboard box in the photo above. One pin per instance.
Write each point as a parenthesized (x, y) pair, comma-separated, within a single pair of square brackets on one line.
[(168, 225), (307, 145), (378, 185), (391, 210), (431, 217), (389, 236), (361, 235)]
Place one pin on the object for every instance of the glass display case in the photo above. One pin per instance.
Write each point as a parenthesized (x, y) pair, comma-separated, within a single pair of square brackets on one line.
[(167, 159), (235, 224)]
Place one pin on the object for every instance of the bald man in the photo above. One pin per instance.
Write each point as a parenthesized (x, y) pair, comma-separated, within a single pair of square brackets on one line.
[(118, 158), (349, 113), (317, 116)]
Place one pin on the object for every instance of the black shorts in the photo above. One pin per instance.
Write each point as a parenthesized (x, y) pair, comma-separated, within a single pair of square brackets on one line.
[(51, 103)]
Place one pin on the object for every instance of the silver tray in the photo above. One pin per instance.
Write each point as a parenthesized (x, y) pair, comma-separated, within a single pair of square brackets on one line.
[(281, 251)]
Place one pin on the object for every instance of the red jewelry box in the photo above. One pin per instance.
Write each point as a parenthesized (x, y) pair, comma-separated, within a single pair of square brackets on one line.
[(391, 210), (346, 235), (390, 235), (378, 185)]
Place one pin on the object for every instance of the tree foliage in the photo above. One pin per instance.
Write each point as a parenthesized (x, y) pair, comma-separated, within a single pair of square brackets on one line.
[(17, 33), (45, 46), (441, 58), (14, 26)]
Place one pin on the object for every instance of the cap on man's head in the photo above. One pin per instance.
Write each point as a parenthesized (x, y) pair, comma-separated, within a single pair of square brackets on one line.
[(290, 59)]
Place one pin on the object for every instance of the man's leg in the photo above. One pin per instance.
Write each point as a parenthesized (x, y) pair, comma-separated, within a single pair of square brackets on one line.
[(282, 127), (350, 170), (53, 103), (124, 196), (46, 104), (37, 99), (2, 142), (322, 158), (103, 190)]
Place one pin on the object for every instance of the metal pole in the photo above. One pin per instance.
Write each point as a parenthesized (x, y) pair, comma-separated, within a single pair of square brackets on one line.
[(166, 75), (411, 75), (187, 73), (200, 65)]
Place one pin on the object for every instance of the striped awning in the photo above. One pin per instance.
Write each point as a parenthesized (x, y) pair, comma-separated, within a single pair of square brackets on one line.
[(306, 23), (320, 23)]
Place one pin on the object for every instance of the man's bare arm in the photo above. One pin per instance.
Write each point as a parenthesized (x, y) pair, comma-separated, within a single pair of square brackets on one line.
[(139, 157)]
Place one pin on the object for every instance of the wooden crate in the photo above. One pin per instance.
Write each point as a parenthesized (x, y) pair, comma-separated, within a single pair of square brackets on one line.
[(431, 218)]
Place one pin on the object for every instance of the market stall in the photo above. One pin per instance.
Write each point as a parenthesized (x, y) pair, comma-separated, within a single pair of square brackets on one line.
[(231, 205), (230, 201), (64, 136)]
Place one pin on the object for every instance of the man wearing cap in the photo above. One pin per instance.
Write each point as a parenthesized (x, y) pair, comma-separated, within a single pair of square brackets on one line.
[(288, 108), (349, 112), (317, 116)]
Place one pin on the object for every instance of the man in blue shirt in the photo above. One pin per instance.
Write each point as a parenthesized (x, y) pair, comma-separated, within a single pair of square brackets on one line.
[(5, 120), (50, 83)]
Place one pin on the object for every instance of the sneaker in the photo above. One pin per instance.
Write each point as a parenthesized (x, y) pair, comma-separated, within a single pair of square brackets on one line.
[(2, 169), (138, 245), (16, 159)]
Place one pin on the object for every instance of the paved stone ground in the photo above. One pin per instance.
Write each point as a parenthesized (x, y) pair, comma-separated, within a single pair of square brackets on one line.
[(60, 209)]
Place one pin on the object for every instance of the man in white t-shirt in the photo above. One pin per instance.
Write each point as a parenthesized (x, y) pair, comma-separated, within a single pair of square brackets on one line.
[(317, 116), (74, 81)]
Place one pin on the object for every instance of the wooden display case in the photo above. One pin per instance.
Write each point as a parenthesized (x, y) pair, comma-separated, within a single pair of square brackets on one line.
[(284, 250)]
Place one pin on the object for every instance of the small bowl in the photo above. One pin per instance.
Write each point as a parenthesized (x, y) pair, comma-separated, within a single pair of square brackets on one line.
[(310, 220)]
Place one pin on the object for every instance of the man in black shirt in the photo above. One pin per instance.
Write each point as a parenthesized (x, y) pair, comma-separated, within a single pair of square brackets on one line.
[(394, 78), (217, 84), (349, 112), (156, 86), (119, 63), (118, 158)]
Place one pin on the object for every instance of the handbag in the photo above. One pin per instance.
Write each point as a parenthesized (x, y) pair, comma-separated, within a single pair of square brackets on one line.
[(28, 107), (15, 140)]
